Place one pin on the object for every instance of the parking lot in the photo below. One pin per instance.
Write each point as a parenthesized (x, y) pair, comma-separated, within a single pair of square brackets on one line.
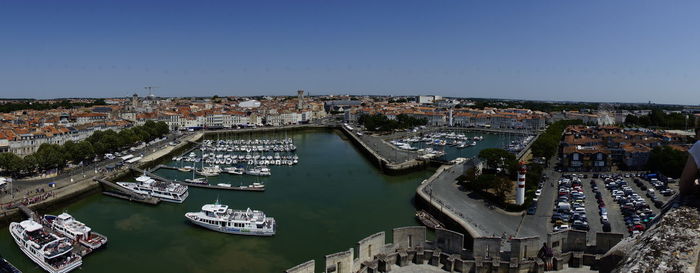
[(575, 193)]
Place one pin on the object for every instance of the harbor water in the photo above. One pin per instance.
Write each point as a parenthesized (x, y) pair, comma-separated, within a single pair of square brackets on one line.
[(327, 202)]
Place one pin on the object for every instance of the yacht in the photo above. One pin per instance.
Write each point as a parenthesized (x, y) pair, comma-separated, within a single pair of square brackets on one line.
[(234, 170), (185, 169), (51, 252), (220, 218), (166, 191), (210, 171), (199, 180), (65, 224), (259, 171)]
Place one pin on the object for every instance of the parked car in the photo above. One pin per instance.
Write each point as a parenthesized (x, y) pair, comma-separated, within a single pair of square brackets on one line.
[(531, 210)]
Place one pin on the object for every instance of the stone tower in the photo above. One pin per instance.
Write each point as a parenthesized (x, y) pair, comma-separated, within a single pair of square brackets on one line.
[(300, 94)]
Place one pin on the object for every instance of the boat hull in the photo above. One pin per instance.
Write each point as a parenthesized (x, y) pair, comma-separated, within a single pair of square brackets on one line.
[(229, 230), (38, 260)]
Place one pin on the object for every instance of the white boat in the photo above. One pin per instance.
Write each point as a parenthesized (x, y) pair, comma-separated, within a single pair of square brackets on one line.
[(51, 252), (170, 192), (234, 170), (185, 169), (65, 224), (198, 180), (259, 171), (224, 185), (220, 218), (209, 171)]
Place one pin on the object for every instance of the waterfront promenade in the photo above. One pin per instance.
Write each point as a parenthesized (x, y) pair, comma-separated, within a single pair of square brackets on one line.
[(73, 182), (475, 215)]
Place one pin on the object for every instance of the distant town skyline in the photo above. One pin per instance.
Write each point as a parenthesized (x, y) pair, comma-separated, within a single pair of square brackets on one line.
[(352, 95), (592, 51)]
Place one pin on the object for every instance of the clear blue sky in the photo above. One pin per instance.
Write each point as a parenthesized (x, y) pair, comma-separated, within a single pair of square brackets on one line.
[(632, 51)]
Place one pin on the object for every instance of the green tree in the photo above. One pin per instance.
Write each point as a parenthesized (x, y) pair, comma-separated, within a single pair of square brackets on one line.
[(11, 163), (50, 156), (498, 158), (502, 186), (547, 143), (667, 160)]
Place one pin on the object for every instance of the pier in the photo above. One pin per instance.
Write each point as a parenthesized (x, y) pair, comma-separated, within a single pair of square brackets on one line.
[(28, 212), (387, 157), (216, 187)]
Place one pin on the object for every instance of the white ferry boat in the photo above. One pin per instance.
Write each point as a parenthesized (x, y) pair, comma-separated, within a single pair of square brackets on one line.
[(51, 252), (220, 218), (170, 192), (65, 224)]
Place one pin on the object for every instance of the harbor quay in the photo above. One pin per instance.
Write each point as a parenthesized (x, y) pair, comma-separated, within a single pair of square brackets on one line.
[(37, 194), (441, 196), (385, 156), (122, 219), (409, 250)]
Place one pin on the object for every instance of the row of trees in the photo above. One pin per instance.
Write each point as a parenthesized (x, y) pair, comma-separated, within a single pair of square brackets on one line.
[(667, 161), (57, 157), (547, 144), (380, 122), (657, 118), (33, 105)]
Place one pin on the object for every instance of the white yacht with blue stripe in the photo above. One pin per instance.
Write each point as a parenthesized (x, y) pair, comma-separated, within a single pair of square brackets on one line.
[(220, 218)]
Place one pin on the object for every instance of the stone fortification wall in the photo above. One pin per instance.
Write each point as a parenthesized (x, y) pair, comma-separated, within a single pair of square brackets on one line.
[(410, 248)]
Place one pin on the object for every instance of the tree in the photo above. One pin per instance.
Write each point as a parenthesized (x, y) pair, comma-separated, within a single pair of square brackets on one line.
[(11, 163), (50, 156), (667, 160), (502, 186), (483, 182), (498, 158), (547, 143), (83, 151)]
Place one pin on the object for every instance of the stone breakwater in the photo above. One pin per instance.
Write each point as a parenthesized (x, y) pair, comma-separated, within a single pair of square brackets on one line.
[(409, 248), (380, 160)]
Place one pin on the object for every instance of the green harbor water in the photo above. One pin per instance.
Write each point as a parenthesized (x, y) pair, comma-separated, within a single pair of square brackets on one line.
[(325, 204)]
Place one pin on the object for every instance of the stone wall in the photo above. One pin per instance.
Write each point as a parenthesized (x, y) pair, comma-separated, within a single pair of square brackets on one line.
[(409, 237), (524, 248), (307, 267), (341, 262), (449, 241), (487, 247), (409, 247), (370, 246)]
